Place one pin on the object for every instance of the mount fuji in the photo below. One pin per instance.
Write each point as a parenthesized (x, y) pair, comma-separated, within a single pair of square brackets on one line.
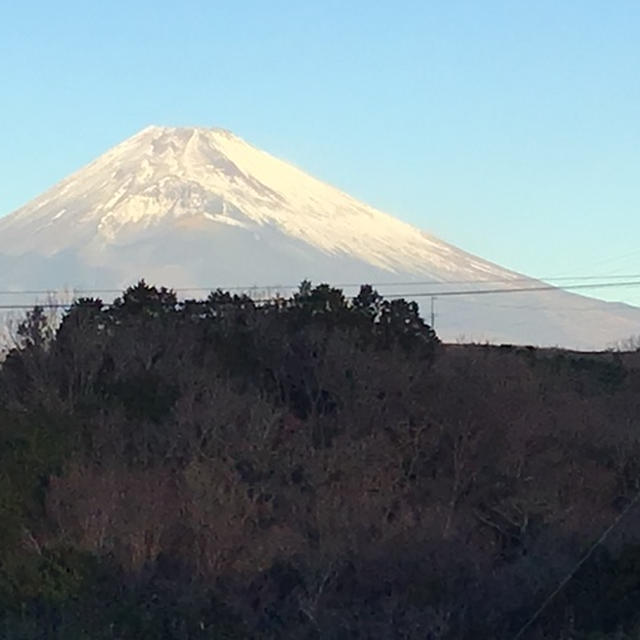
[(195, 207)]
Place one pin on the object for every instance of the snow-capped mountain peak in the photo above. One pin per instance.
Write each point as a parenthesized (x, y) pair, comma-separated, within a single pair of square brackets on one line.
[(164, 173)]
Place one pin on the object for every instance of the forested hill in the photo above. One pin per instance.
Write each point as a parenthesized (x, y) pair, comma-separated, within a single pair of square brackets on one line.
[(309, 468)]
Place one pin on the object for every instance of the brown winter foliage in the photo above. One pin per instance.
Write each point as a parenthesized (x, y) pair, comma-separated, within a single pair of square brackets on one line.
[(311, 468)]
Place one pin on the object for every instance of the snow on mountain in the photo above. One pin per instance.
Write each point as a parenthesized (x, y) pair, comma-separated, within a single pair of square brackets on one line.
[(192, 207)]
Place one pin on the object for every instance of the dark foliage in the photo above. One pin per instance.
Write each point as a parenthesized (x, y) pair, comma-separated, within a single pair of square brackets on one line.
[(314, 467)]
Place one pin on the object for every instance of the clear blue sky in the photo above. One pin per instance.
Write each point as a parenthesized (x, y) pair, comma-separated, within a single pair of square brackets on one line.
[(511, 129)]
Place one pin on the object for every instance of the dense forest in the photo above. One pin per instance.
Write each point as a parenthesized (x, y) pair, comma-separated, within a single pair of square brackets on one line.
[(310, 468)]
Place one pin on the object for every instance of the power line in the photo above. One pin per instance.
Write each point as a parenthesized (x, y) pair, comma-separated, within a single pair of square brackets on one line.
[(563, 583), (473, 292), (343, 284), (415, 294)]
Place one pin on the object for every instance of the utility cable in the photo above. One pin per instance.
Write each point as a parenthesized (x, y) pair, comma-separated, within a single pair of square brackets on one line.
[(255, 287), (409, 294), (563, 583)]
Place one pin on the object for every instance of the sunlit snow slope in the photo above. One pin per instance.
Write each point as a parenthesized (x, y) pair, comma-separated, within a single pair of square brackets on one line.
[(200, 207)]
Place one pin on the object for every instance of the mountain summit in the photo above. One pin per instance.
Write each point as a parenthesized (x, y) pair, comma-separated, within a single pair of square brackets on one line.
[(211, 181), (195, 207)]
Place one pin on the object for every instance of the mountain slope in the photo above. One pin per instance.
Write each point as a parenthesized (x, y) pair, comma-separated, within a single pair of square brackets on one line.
[(200, 207)]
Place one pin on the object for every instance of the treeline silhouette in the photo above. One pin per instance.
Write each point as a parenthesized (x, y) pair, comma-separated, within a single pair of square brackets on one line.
[(311, 467)]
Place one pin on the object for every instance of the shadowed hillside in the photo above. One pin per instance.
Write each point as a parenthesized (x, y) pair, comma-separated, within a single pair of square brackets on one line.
[(309, 468)]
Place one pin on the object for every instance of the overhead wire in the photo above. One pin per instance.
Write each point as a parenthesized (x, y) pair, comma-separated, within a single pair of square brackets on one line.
[(407, 294), (565, 581), (276, 286)]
